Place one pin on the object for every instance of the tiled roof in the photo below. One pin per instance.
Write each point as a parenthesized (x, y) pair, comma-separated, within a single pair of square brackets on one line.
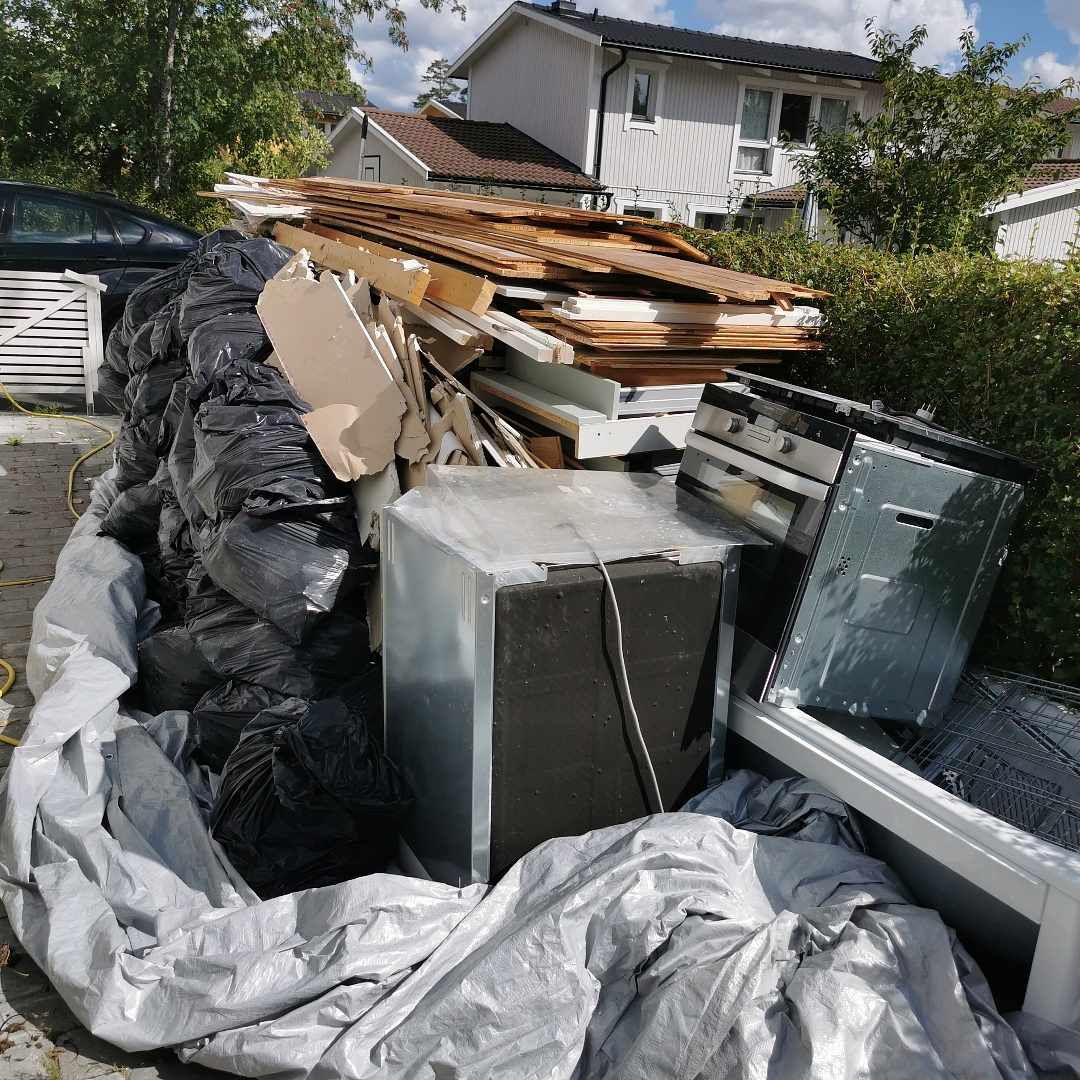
[(328, 104), (792, 195), (481, 152), (1063, 105), (674, 39), (454, 106), (1051, 172)]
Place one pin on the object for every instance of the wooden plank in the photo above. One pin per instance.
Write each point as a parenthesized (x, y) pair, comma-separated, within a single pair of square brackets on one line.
[(389, 275), (447, 283)]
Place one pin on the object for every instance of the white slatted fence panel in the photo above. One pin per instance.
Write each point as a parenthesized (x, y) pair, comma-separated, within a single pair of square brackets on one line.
[(50, 333)]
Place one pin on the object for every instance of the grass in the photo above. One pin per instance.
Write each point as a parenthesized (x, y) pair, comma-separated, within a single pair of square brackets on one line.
[(13, 440)]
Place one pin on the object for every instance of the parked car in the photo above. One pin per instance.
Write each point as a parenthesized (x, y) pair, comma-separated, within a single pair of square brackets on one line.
[(49, 229)]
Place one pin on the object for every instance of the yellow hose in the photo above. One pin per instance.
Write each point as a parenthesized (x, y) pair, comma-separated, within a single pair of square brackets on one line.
[(9, 680)]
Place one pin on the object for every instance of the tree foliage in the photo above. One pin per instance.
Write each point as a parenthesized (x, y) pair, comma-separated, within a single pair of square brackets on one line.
[(921, 172), (440, 87), (992, 344), (153, 99)]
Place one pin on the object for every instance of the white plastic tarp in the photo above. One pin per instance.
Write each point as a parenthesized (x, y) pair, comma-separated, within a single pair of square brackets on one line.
[(672, 946)]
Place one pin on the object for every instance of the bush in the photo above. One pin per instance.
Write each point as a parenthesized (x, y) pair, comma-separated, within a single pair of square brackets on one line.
[(994, 347)]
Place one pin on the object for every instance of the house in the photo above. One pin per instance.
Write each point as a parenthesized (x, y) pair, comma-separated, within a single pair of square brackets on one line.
[(326, 109), (443, 107), (1042, 220), (493, 158), (675, 124)]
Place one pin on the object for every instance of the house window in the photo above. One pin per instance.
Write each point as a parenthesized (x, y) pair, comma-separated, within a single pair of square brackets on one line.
[(833, 114), (772, 116), (644, 99), (753, 156), (646, 82), (655, 211), (795, 118)]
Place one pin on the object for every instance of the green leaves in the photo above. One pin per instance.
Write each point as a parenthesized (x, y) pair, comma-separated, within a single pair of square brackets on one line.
[(154, 99), (995, 346), (921, 172)]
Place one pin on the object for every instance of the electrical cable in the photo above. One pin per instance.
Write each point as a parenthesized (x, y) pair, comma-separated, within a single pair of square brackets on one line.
[(9, 680), (653, 794)]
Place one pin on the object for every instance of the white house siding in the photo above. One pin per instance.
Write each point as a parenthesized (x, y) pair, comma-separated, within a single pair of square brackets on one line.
[(1042, 230), (538, 79), (1072, 151), (391, 167), (550, 198), (685, 161)]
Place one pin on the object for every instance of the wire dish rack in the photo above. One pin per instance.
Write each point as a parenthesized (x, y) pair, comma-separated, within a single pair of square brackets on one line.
[(1010, 745)]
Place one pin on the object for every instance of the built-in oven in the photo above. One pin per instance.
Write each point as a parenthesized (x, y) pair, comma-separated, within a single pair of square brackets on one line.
[(774, 470), (881, 551)]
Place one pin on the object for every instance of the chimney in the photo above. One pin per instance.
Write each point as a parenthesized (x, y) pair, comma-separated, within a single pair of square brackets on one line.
[(562, 7)]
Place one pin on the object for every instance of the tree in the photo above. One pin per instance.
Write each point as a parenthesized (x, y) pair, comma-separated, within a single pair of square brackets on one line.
[(154, 99), (943, 148), (440, 86)]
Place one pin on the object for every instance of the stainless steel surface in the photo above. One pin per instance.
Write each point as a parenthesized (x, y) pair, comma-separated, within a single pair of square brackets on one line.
[(725, 643), (903, 573), (798, 453), (438, 634), (702, 453)]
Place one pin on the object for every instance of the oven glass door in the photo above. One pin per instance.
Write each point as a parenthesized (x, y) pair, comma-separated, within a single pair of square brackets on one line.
[(788, 511)]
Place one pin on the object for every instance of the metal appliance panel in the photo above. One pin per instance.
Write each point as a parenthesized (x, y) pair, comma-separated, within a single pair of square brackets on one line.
[(438, 640), (891, 605)]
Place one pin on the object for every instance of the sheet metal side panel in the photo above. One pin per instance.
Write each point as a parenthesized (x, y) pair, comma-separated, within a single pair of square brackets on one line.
[(431, 667), (725, 643)]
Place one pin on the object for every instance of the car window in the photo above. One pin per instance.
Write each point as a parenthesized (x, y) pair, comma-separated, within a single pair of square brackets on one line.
[(128, 229), (39, 219)]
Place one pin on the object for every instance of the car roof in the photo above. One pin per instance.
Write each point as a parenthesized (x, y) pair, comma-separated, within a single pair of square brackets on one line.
[(100, 199)]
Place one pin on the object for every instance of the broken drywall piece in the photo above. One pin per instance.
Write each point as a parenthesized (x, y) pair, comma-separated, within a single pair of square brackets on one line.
[(327, 353), (370, 495)]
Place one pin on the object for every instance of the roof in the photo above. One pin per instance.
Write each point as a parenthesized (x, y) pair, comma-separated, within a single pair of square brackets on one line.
[(1064, 105), (328, 104), (457, 107), (792, 195), (1054, 171), (480, 152), (677, 41)]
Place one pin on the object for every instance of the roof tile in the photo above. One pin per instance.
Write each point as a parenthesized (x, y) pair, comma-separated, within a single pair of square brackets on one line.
[(481, 152)]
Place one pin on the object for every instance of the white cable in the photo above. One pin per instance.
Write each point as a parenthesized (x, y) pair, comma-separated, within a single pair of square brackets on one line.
[(624, 680)]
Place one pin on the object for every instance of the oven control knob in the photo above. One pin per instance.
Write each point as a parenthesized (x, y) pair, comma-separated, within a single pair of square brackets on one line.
[(734, 424), (786, 444)]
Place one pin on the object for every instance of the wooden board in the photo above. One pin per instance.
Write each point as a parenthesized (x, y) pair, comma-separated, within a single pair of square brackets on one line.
[(389, 275), (447, 283)]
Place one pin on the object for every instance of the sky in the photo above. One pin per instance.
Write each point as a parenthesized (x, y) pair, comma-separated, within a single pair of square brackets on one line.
[(1053, 53)]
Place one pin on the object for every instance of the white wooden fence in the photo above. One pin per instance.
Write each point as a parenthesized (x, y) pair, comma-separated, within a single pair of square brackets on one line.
[(50, 333)]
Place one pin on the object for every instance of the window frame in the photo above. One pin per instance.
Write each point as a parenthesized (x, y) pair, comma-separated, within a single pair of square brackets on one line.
[(656, 73), (772, 144), (663, 209)]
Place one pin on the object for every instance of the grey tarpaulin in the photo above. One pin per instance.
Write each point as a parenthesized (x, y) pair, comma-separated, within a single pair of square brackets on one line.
[(676, 945)]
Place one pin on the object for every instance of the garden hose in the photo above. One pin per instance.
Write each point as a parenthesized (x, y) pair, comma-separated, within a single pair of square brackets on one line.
[(9, 677)]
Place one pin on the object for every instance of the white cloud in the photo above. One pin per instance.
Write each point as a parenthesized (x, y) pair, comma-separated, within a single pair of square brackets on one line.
[(839, 24), (1051, 71), (394, 78), (1066, 14)]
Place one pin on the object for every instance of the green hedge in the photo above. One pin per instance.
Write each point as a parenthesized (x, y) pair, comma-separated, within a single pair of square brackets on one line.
[(995, 347)]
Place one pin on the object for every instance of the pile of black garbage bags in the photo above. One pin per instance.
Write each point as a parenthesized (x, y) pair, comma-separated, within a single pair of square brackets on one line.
[(251, 549)]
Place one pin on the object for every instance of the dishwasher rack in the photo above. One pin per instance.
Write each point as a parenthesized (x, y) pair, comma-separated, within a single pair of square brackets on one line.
[(1010, 745)]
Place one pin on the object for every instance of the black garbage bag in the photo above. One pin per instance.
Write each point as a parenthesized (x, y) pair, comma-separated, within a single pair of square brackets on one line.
[(133, 518), (170, 422), (249, 382), (175, 553), (308, 798), (173, 673), (148, 392), (147, 299), (290, 568), (228, 280), (136, 454), (221, 716), (140, 352), (181, 459), (216, 343), (264, 450), (238, 644), (113, 374)]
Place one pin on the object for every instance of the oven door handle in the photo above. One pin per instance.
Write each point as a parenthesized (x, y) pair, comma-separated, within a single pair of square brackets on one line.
[(781, 477)]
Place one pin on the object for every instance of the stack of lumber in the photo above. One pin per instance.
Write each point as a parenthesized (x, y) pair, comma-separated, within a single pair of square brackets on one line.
[(452, 254)]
